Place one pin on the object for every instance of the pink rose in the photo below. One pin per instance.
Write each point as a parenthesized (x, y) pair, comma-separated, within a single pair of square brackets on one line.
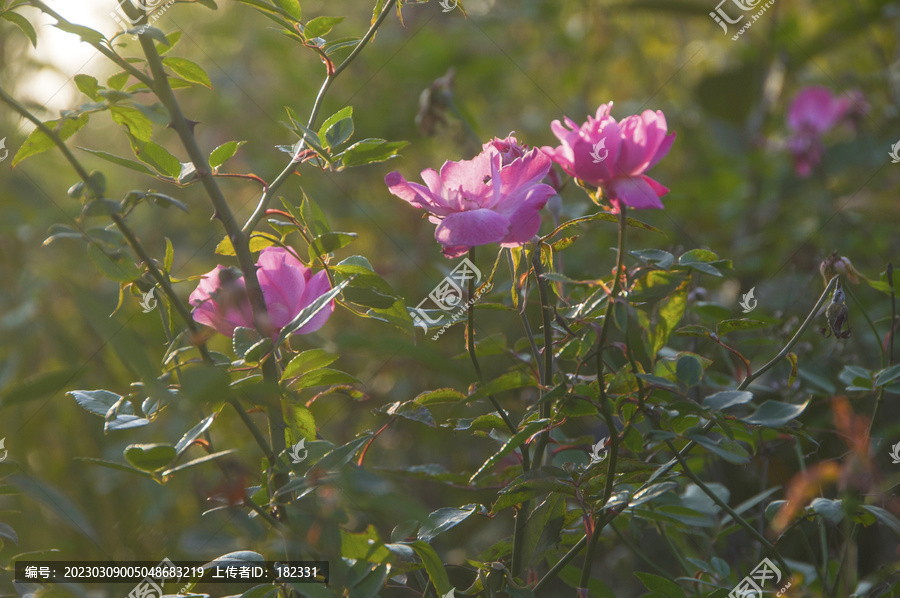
[(220, 300), (813, 112), (615, 155), (483, 200)]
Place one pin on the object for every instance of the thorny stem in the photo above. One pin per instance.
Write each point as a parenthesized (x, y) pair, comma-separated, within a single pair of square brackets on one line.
[(547, 321), (724, 506), (688, 447), (522, 513), (604, 409), (266, 198), (891, 328), (239, 241)]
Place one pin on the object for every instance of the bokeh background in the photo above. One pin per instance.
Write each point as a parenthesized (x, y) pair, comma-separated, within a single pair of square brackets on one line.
[(516, 66)]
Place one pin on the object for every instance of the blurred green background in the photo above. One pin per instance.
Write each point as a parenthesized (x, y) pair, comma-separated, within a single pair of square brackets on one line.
[(517, 66)]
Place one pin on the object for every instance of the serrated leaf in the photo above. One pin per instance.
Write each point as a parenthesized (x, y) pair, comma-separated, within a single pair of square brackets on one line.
[(369, 151), (739, 324), (223, 153), (308, 361), (124, 162), (134, 120), (320, 26), (322, 377), (193, 434), (37, 142), (510, 445), (188, 70), (309, 312), (440, 395), (433, 566)]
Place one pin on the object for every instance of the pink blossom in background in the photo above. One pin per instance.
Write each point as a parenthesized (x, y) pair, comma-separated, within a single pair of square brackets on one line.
[(615, 155), (493, 198), (220, 300), (813, 112)]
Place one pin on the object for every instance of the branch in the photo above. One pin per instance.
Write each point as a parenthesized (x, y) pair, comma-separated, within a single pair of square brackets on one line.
[(266, 198)]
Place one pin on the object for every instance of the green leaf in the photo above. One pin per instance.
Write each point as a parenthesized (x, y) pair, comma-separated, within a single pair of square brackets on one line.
[(292, 7), (330, 242), (369, 151), (443, 519), (116, 466), (134, 120), (320, 26), (55, 502), (704, 261), (830, 509), (193, 434), (728, 398), (727, 326), (885, 517), (513, 443), (188, 70), (688, 370), (88, 85), (409, 410), (343, 113), (301, 420), (120, 268), (663, 586), (887, 376), (23, 24), (119, 80), (308, 361), (309, 312), (728, 450), (124, 162), (157, 157), (508, 381), (649, 493), (773, 414), (433, 566), (657, 257), (196, 462), (322, 377), (669, 313), (8, 533), (342, 454), (337, 133), (39, 386), (223, 153), (149, 457), (440, 395), (37, 142)]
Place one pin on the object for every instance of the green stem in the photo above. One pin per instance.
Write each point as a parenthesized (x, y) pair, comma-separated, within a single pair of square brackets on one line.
[(521, 309), (724, 506), (254, 431), (547, 377), (269, 193), (890, 361), (239, 241), (589, 556)]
